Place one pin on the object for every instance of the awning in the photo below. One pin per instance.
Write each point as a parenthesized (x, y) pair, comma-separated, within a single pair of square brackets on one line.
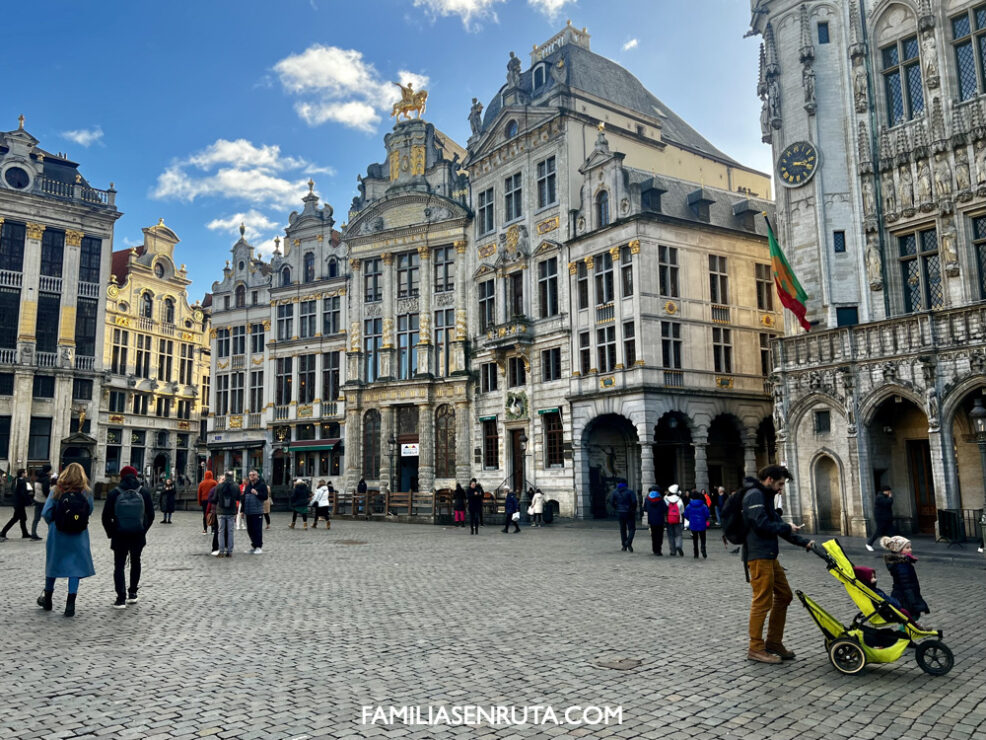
[(249, 444), (313, 445)]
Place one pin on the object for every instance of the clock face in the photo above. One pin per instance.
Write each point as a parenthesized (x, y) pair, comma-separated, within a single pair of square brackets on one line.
[(797, 164), (17, 178)]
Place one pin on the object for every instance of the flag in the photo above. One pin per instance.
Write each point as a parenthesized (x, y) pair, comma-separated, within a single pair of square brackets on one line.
[(789, 290)]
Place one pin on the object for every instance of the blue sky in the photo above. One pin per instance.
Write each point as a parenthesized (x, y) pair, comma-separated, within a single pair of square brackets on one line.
[(213, 112)]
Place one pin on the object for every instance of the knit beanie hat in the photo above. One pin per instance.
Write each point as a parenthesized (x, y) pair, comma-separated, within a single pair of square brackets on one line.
[(894, 544), (128, 470), (673, 489)]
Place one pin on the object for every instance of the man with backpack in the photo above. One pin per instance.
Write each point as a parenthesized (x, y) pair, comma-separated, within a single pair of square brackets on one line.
[(675, 520), (227, 498), (771, 592), (624, 501), (127, 515)]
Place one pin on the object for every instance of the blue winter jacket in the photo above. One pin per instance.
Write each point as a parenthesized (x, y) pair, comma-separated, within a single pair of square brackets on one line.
[(254, 503), (510, 505), (624, 501), (657, 511), (697, 514)]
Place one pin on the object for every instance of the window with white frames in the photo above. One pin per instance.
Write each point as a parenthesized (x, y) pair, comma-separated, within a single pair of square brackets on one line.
[(626, 271), (236, 393), (671, 345), (487, 377), (512, 199), (487, 305), (444, 334), (547, 193), (444, 259), (582, 285), (722, 349), (283, 381), (372, 340), (372, 280), (238, 335), (407, 274), (307, 319), (765, 287), (256, 391), (551, 364), (484, 211), (667, 271), (604, 278), (606, 349), (306, 378), (718, 280), (585, 353), (548, 287), (331, 383), (407, 340), (331, 316), (629, 344), (285, 322), (256, 339)]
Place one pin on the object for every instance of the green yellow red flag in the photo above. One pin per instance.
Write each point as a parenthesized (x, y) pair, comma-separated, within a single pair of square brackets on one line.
[(792, 295)]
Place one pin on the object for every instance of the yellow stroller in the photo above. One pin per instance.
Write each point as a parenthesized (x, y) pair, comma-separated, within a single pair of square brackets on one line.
[(880, 632)]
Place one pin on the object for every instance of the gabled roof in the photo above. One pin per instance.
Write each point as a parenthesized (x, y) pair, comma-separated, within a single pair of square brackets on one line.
[(120, 267)]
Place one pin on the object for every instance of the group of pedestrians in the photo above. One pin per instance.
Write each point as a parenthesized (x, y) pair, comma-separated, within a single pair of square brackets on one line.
[(668, 515), (30, 489), (227, 501)]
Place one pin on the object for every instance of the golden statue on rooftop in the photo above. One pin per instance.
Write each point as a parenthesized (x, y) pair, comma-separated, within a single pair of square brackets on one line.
[(410, 101)]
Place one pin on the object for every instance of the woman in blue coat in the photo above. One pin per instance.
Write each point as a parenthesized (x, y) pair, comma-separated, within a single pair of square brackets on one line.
[(697, 514), (67, 555)]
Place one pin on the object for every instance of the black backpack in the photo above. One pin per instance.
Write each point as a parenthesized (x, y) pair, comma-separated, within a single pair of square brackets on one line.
[(227, 497), (734, 526), (128, 510), (72, 512)]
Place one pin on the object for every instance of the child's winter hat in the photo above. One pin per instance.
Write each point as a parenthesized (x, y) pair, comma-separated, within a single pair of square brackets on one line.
[(894, 544), (673, 489)]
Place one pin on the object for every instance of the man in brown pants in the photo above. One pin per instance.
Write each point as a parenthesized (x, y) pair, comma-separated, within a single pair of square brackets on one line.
[(771, 592)]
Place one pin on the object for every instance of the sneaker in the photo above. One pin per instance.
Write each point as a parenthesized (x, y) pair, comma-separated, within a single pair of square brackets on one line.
[(869, 547), (120, 603), (259, 551), (36, 538), (215, 553), (630, 548), (131, 598), (251, 551), (762, 656), (3, 539)]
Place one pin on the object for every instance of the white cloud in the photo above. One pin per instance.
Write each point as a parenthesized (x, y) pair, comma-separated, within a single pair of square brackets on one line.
[(338, 85), (550, 8), (84, 137), (631, 44), (259, 229), (467, 10)]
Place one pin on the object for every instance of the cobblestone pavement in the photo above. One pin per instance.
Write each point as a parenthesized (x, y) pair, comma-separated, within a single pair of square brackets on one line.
[(294, 642)]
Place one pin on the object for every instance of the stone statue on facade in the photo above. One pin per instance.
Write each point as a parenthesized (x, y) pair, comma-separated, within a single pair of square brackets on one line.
[(513, 71), (874, 265), (774, 101), (905, 190), (476, 116), (410, 102), (981, 164), (930, 55), (889, 195), (943, 176), (924, 183), (948, 248), (859, 88), (766, 135), (808, 83), (869, 197), (963, 180), (931, 401)]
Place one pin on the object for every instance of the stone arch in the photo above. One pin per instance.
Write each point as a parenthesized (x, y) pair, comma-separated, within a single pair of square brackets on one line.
[(828, 493), (957, 394), (963, 461), (674, 451), (891, 19), (610, 446), (869, 405), (724, 450), (806, 404)]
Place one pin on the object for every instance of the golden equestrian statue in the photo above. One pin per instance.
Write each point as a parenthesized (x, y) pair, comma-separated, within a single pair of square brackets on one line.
[(410, 101)]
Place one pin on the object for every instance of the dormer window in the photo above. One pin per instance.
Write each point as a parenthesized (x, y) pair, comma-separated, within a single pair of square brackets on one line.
[(539, 76), (146, 306), (650, 200), (159, 270), (602, 209), (169, 311), (240, 296), (310, 267), (511, 129), (333, 268), (286, 276), (241, 265)]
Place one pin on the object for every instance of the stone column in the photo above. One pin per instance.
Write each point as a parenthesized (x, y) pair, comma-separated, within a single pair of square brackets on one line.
[(700, 439), (750, 455), (353, 459), (855, 511), (463, 442), (70, 288), (461, 316), (426, 283), (354, 314), (938, 468), (20, 422), (387, 368), (582, 503), (648, 476), (426, 447), (29, 293), (388, 427)]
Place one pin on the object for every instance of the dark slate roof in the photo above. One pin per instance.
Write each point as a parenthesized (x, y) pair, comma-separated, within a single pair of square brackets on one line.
[(604, 78), (674, 203)]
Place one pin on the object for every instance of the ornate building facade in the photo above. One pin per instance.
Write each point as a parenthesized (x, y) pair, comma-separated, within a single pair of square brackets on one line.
[(875, 110), (55, 245), (156, 361)]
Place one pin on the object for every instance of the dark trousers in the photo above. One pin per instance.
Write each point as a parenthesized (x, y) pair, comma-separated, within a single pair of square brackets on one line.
[(215, 535), (294, 517), (475, 518), (120, 555), (267, 518), (628, 528), (884, 528), (38, 508), (205, 520), (698, 536), (508, 522), (255, 529), (20, 515), (657, 538)]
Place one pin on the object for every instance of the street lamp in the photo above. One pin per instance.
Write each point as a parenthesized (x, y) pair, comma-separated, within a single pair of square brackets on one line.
[(523, 469), (392, 444), (978, 418)]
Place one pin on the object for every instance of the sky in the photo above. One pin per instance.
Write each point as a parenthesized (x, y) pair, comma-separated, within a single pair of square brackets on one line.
[(214, 112)]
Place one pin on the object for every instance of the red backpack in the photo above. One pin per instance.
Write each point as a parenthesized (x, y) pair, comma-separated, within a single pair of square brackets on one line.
[(674, 513)]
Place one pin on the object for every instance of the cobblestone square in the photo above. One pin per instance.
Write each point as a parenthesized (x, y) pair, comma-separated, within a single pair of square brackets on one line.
[(295, 642)]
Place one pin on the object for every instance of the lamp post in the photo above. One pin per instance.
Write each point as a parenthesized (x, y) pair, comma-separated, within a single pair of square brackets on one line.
[(523, 469), (978, 417), (392, 444)]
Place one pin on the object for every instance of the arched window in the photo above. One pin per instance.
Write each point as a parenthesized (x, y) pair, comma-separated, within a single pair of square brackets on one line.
[(602, 209), (286, 275), (371, 444), (310, 267), (511, 129), (240, 296), (445, 442), (169, 311), (333, 268), (147, 306), (539, 76)]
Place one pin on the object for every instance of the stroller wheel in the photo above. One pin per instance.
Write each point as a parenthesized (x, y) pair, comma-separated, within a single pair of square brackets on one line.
[(934, 657), (847, 656)]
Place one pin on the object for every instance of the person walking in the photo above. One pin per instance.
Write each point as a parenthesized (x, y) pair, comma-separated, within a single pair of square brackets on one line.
[(511, 506), (475, 504), (675, 520), (23, 495), (254, 495), (321, 504), (301, 496), (68, 553), (212, 520), (697, 514), (883, 514), (41, 488), (771, 592), (459, 506), (240, 523), (127, 515), (624, 501), (168, 494), (205, 488), (479, 487), (227, 496), (718, 499), (537, 504), (657, 512)]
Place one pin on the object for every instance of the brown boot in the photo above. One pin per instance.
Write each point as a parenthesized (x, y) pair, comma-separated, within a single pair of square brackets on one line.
[(328, 524), (779, 650), (291, 525), (315, 525), (762, 656), (306, 525)]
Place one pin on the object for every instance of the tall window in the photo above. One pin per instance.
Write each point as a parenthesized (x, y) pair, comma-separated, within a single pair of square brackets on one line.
[(979, 245), (256, 339), (512, 205), (667, 271), (604, 278), (165, 358), (407, 274), (548, 287), (306, 378), (488, 377), (236, 393), (445, 442), (491, 445), (766, 365), (163, 407), (372, 340), (602, 209), (582, 285), (86, 321), (90, 256), (554, 449), (487, 305), (256, 391), (484, 211), (12, 246), (184, 410), (333, 267), (52, 251), (142, 366), (285, 322), (147, 306), (372, 280), (546, 183), (444, 334), (46, 328), (629, 344), (283, 381), (39, 441), (81, 389), (121, 339), (331, 316), (222, 342), (222, 395), (920, 268), (371, 444), (902, 80), (238, 336), (309, 267), (722, 349), (718, 280), (515, 284), (407, 340), (44, 386), (307, 319), (186, 365), (585, 353), (606, 349), (516, 372), (969, 41), (205, 395), (765, 288), (331, 387), (240, 296), (141, 401), (118, 402), (626, 271), (444, 258), (285, 275), (671, 345), (551, 364), (169, 311)]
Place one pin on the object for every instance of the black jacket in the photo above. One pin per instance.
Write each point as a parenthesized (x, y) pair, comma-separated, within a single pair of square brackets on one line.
[(22, 496), (906, 588), (475, 500), (764, 525), (126, 539), (883, 508), (229, 489), (459, 499)]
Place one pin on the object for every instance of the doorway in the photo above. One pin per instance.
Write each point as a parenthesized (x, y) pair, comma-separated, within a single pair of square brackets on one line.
[(517, 458), (923, 485), (407, 478)]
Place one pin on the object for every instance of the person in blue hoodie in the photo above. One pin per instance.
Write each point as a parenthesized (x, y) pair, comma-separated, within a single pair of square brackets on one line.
[(624, 501), (511, 506), (697, 514), (656, 510)]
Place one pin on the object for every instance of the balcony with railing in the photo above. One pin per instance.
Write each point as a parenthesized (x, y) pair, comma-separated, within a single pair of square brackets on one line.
[(84, 363), (8, 356), (674, 379), (145, 324), (282, 412), (50, 284), (502, 336), (238, 362), (47, 359), (219, 423), (330, 408), (10, 279), (77, 192), (88, 290), (605, 313), (255, 421), (720, 314)]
